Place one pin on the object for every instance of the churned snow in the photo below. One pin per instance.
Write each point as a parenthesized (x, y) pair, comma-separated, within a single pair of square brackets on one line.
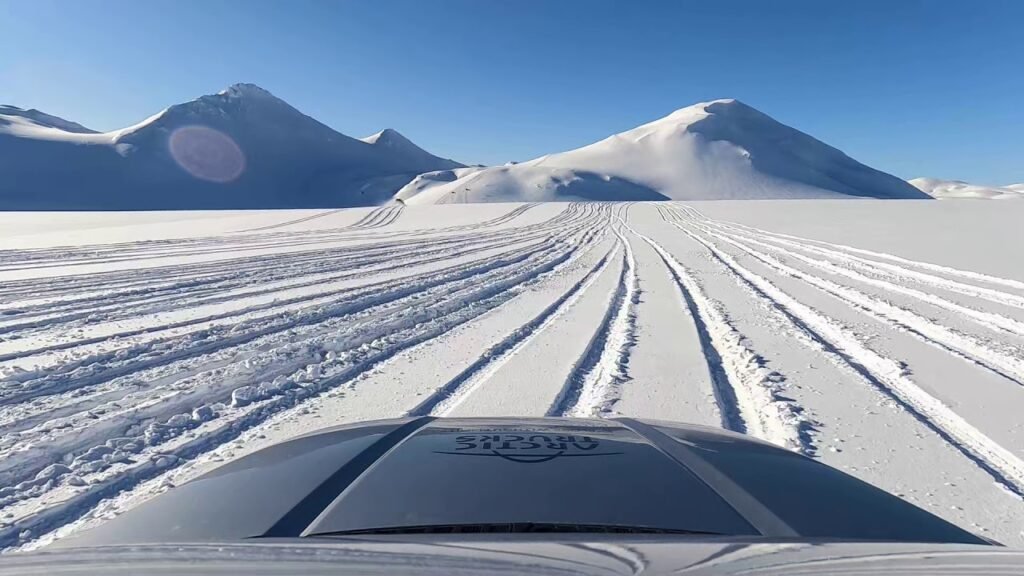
[(138, 350)]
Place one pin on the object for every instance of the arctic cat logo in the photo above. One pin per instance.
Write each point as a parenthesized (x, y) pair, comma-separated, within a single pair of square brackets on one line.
[(526, 448)]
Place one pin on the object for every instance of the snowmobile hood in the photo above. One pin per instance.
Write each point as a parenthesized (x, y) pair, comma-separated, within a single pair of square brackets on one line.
[(485, 476)]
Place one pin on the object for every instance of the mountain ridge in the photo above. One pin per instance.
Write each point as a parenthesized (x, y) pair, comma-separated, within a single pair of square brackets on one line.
[(243, 147), (720, 149), (947, 189), (394, 141), (42, 119), (239, 148)]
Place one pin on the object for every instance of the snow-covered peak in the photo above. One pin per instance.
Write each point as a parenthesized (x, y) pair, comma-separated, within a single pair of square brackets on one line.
[(238, 107), (388, 137), (393, 142), (245, 90), (701, 109), (696, 112), (709, 118)]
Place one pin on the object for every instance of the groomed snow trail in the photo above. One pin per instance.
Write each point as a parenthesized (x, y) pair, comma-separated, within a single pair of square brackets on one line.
[(131, 365)]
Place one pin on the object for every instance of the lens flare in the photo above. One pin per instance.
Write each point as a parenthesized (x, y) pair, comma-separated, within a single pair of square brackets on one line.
[(207, 154)]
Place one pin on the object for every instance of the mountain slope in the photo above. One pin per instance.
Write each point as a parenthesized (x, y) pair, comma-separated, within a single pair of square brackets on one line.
[(240, 148), (398, 146), (14, 119), (722, 149), (944, 189)]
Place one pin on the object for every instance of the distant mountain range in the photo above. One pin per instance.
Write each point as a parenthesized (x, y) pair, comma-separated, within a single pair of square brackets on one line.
[(240, 148), (946, 189), (245, 148)]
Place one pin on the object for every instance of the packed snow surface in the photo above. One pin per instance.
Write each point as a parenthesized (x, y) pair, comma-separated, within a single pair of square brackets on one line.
[(943, 189), (715, 150), (240, 148), (138, 350)]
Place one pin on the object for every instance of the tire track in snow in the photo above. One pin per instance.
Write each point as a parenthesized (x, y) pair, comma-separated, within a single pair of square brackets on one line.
[(122, 279), (510, 216), (370, 218), (290, 222), (507, 239), (153, 463), (902, 274), (450, 395), (390, 218), (231, 335), (359, 267), (243, 244), (225, 430), (747, 391), (209, 344), (595, 381), (398, 243), (948, 270), (856, 265), (960, 345), (142, 280), (555, 247), (505, 218), (134, 257), (372, 296), (83, 254), (183, 389), (888, 376)]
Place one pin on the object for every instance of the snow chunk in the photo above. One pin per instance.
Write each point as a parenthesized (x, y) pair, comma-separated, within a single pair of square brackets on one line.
[(53, 471), (180, 420), (243, 396), (203, 414)]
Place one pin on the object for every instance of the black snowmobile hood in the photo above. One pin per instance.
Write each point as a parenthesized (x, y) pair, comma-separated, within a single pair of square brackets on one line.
[(483, 476)]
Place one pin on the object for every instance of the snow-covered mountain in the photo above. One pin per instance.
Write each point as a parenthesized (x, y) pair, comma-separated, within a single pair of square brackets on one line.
[(944, 189), (399, 147), (27, 122), (240, 148), (722, 149)]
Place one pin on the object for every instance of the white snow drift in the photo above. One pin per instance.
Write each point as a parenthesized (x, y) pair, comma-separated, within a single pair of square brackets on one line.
[(241, 148), (943, 189), (722, 149)]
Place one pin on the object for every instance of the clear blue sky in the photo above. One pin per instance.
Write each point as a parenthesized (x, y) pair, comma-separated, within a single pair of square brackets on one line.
[(913, 87)]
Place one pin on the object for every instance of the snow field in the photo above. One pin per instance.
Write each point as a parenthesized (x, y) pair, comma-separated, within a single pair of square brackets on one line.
[(131, 366)]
